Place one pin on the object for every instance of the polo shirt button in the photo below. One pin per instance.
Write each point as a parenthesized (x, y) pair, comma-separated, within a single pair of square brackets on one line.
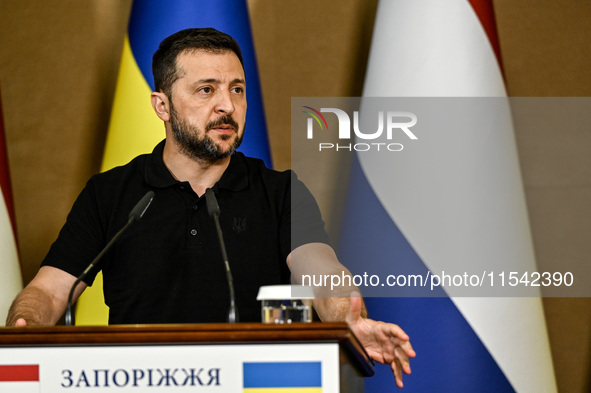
[(193, 232)]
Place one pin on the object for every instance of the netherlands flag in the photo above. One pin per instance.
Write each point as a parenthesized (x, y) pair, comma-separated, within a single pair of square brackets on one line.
[(134, 128), (22, 378), (425, 206), (282, 377)]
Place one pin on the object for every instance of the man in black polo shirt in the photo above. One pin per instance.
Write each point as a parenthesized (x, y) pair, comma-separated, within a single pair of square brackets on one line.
[(167, 268)]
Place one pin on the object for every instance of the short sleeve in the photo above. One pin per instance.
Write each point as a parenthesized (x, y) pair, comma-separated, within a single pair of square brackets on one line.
[(307, 225), (81, 238)]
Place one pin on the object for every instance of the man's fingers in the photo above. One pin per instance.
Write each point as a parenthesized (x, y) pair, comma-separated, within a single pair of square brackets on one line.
[(394, 330), (408, 349), (385, 342), (403, 359), (20, 323), (397, 370)]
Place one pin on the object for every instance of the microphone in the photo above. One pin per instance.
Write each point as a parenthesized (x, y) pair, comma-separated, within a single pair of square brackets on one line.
[(214, 211), (135, 215)]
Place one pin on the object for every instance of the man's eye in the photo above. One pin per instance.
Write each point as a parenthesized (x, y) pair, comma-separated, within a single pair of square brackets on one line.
[(238, 90), (206, 90)]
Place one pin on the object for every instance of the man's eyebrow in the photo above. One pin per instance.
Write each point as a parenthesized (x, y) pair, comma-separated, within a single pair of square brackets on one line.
[(209, 80), (213, 80)]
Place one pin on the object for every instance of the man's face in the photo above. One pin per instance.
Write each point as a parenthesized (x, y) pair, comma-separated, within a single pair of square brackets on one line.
[(208, 105)]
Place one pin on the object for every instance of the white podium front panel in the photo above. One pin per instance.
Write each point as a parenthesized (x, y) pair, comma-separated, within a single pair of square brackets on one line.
[(171, 368)]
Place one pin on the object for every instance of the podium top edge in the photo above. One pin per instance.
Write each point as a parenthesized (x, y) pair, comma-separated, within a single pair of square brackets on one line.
[(176, 333), (184, 334)]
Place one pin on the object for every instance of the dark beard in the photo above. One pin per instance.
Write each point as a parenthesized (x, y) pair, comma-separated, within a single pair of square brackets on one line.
[(202, 149)]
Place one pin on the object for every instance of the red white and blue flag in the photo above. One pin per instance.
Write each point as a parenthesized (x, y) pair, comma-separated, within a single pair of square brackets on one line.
[(10, 272), (460, 200)]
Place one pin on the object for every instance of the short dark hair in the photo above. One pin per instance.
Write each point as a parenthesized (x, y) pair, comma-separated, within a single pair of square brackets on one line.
[(164, 66)]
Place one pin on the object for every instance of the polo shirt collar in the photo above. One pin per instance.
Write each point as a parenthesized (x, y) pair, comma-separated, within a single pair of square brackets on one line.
[(156, 173), (235, 177)]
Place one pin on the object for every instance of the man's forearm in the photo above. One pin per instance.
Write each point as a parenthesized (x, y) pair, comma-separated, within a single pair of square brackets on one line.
[(35, 306), (333, 309), (315, 264)]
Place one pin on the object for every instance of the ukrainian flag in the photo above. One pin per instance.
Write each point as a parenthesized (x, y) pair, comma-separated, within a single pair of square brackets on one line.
[(134, 128), (283, 377)]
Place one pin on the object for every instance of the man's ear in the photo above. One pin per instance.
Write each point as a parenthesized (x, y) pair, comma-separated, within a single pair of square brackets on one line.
[(161, 105)]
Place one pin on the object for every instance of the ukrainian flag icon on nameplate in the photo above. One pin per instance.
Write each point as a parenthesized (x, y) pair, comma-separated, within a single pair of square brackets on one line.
[(282, 377)]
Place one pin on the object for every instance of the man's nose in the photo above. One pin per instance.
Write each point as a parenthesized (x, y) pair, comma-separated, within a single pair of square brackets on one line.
[(224, 103)]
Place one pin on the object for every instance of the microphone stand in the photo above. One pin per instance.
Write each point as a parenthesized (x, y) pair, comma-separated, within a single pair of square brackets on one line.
[(214, 211)]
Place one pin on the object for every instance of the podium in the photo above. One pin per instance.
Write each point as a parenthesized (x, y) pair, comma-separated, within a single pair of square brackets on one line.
[(244, 357)]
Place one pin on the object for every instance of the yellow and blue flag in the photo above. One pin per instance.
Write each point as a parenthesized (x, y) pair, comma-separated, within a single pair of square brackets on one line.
[(134, 128), (282, 377)]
